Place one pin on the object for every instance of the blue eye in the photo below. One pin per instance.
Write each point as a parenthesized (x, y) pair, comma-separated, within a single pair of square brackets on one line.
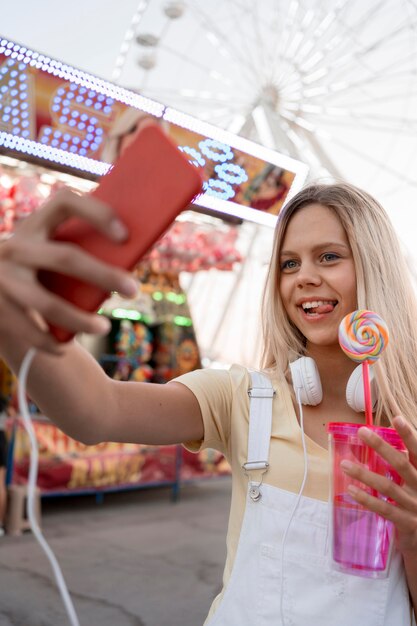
[(330, 256), (288, 265)]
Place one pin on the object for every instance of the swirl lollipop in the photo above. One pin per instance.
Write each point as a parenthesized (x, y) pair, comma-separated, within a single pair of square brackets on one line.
[(363, 336)]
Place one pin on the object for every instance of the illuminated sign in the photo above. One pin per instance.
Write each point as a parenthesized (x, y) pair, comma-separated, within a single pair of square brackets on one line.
[(51, 112)]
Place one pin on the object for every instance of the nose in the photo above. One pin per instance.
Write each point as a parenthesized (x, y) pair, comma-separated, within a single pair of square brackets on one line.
[(308, 274)]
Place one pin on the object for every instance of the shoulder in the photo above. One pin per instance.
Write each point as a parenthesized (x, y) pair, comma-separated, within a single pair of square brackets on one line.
[(219, 391), (231, 378), (224, 385)]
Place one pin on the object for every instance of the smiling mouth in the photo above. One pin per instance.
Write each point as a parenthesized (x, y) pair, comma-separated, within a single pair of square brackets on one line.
[(318, 307)]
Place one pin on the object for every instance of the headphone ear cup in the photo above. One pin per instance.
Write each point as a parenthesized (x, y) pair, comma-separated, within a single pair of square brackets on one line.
[(355, 395), (306, 380)]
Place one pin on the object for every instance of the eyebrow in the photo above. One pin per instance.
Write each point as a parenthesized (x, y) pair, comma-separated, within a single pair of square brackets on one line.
[(325, 244)]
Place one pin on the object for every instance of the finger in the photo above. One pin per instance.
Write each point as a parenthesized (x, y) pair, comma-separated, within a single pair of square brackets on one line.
[(65, 204), (55, 310), (71, 260), (408, 435), (29, 333), (404, 521), (397, 459), (387, 488)]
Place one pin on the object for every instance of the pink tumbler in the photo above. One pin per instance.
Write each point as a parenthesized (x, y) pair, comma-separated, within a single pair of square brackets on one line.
[(361, 541)]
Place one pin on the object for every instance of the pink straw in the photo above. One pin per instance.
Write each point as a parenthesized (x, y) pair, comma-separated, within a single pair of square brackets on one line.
[(367, 393)]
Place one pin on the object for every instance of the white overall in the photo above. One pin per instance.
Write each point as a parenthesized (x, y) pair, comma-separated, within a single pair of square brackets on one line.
[(313, 593)]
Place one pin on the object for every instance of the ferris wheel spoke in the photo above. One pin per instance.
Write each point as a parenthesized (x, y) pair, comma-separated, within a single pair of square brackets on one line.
[(253, 48), (224, 112), (389, 97), (353, 31), (197, 101), (358, 122), (310, 58), (260, 42), (127, 40), (278, 50), (275, 44), (413, 3), (144, 82), (339, 89), (385, 39), (350, 32), (378, 81), (186, 58), (245, 67), (317, 152), (346, 115), (319, 61), (362, 55), (382, 165), (194, 103), (371, 77), (216, 116), (316, 33), (204, 96), (244, 36), (287, 28), (361, 22)]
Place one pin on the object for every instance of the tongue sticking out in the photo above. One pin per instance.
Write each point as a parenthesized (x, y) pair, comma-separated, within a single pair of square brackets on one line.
[(324, 308)]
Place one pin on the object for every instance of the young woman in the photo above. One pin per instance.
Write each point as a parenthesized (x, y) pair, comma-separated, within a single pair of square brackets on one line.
[(334, 252)]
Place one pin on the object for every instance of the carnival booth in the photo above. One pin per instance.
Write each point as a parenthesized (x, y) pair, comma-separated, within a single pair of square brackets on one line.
[(60, 127)]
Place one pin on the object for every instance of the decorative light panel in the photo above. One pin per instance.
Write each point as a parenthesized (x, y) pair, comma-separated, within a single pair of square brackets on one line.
[(60, 115)]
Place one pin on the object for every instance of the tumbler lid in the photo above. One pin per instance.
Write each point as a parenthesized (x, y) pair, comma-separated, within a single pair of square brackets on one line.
[(348, 429)]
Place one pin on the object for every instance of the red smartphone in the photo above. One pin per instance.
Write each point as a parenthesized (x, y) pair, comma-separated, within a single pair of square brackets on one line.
[(149, 185)]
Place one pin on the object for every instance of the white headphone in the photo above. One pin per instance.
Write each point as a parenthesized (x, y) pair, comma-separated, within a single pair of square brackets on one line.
[(306, 380)]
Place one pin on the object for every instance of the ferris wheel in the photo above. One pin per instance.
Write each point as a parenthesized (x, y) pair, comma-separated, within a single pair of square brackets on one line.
[(332, 83)]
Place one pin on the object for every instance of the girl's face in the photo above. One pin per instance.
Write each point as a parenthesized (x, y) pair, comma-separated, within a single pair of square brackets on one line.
[(317, 274)]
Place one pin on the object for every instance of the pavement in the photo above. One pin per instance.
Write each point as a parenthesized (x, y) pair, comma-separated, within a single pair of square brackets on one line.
[(136, 559)]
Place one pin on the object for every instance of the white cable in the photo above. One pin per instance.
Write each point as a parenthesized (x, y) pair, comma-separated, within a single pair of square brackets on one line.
[(31, 489), (300, 493)]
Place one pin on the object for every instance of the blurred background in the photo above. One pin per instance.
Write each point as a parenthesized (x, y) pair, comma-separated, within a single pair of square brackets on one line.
[(331, 83)]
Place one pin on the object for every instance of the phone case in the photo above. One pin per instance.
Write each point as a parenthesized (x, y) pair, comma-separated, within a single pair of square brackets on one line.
[(149, 185)]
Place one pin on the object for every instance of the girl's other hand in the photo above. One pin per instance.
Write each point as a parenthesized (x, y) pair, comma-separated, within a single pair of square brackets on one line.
[(403, 513)]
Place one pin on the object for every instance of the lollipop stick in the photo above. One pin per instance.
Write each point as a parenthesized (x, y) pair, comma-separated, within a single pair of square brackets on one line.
[(369, 453), (367, 393)]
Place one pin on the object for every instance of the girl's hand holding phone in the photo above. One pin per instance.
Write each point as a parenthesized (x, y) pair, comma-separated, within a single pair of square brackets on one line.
[(55, 272), (26, 307)]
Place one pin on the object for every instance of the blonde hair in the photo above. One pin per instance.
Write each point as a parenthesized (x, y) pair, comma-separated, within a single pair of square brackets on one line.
[(383, 285)]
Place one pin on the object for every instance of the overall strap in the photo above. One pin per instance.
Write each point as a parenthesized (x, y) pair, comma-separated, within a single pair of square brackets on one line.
[(261, 394)]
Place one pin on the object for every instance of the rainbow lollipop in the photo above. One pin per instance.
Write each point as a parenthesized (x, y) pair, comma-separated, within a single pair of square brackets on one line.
[(363, 336)]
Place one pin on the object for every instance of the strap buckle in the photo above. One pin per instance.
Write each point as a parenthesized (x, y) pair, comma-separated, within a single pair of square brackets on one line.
[(255, 465), (261, 392), (255, 493)]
